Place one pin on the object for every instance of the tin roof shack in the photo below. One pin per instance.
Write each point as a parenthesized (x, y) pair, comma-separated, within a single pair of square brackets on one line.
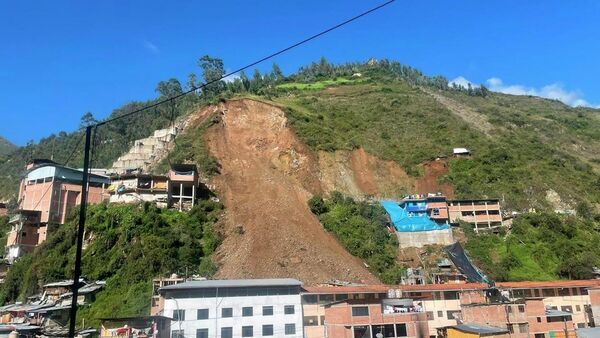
[(136, 327), (53, 190), (135, 188), (473, 330), (375, 318), (183, 186), (483, 214), (24, 235), (86, 294)]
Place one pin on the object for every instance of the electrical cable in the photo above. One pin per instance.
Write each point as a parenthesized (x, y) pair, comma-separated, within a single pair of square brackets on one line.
[(270, 56)]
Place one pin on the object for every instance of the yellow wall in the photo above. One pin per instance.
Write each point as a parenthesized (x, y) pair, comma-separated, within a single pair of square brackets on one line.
[(454, 333)]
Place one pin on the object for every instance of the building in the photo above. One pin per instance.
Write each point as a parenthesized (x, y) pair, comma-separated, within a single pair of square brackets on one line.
[(447, 305), (25, 234), (54, 190), (459, 152), (136, 327), (234, 308), (473, 330), (388, 317), (183, 186), (483, 214), (135, 188)]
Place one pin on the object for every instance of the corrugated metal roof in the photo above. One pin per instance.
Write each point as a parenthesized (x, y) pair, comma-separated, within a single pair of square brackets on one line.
[(479, 328), (550, 284), (557, 313), (232, 283)]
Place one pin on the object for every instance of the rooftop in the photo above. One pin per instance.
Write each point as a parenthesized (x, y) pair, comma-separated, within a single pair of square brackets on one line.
[(232, 283), (479, 329)]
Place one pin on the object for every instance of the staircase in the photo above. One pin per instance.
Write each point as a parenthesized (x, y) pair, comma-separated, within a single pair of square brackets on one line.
[(146, 152)]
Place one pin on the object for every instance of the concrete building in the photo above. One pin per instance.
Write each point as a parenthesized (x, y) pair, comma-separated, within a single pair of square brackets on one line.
[(483, 214), (234, 308), (447, 305), (53, 190), (25, 234), (136, 188), (136, 327), (183, 186)]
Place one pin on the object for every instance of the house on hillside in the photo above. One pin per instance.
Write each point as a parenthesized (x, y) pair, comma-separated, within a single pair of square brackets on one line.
[(459, 152), (25, 234), (183, 186), (135, 188), (483, 214)]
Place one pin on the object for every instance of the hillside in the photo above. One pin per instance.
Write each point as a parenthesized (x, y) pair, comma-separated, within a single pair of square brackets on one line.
[(6, 147), (269, 148)]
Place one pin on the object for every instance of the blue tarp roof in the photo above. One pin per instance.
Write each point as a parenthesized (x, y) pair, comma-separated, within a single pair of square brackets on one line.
[(410, 222)]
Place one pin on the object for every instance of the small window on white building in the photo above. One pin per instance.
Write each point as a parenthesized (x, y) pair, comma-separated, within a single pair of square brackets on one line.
[(178, 315), (247, 331), (247, 312), (226, 312), (290, 328), (267, 310), (226, 332), (202, 333), (202, 314), (289, 309), (360, 311), (267, 330), (177, 334)]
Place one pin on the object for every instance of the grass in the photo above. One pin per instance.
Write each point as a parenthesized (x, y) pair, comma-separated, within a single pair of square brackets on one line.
[(318, 85)]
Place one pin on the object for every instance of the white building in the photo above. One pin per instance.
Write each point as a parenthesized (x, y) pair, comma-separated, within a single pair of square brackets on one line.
[(234, 308)]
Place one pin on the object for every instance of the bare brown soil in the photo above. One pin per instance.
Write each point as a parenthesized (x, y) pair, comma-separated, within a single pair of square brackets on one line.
[(267, 177), (429, 182)]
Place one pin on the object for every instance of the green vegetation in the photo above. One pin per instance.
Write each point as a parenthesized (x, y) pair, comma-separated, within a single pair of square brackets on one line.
[(6, 147), (540, 246), (4, 228), (127, 245), (360, 227), (316, 85)]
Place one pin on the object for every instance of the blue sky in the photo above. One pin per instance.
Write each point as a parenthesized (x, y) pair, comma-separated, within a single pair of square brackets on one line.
[(59, 59)]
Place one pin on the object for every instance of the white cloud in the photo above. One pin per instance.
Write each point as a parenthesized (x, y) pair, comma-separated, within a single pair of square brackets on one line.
[(231, 78), (554, 91), (461, 81), (151, 47)]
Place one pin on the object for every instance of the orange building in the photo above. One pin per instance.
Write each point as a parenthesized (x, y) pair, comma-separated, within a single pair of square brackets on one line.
[(24, 235), (53, 190), (391, 317)]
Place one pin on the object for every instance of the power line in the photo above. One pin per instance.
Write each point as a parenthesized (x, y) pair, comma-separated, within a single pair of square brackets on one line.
[(74, 149), (270, 56)]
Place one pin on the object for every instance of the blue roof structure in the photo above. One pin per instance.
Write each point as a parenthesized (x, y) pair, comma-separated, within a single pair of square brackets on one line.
[(412, 217)]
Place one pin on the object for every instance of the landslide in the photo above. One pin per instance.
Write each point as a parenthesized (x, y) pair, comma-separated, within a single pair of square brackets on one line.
[(266, 178)]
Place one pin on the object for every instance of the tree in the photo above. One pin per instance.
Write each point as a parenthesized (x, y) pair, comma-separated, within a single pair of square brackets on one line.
[(192, 81), (87, 120), (246, 83), (169, 88), (256, 82), (276, 73), (212, 70)]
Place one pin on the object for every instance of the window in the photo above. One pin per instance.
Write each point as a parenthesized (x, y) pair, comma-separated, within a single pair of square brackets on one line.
[(578, 308), (359, 311), (177, 334), (341, 296), (290, 328), (583, 291), (309, 299), (386, 330), (267, 330), (521, 308), (509, 308), (450, 295), (548, 293), (567, 308), (361, 332), (247, 311), (226, 312), (523, 328), (436, 212), (226, 332), (178, 315), (401, 330), (322, 319), (247, 331), (429, 315), (325, 298), (267, 311), (564, 292), (539, 319), (24, 234), (539, 335), (202, 314), (453, 314), (440, 314), (310, 321), (202, 333), (289, 310), (580, 325)]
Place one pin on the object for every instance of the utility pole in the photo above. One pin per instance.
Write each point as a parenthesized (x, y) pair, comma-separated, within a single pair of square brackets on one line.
[(80, 230)]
